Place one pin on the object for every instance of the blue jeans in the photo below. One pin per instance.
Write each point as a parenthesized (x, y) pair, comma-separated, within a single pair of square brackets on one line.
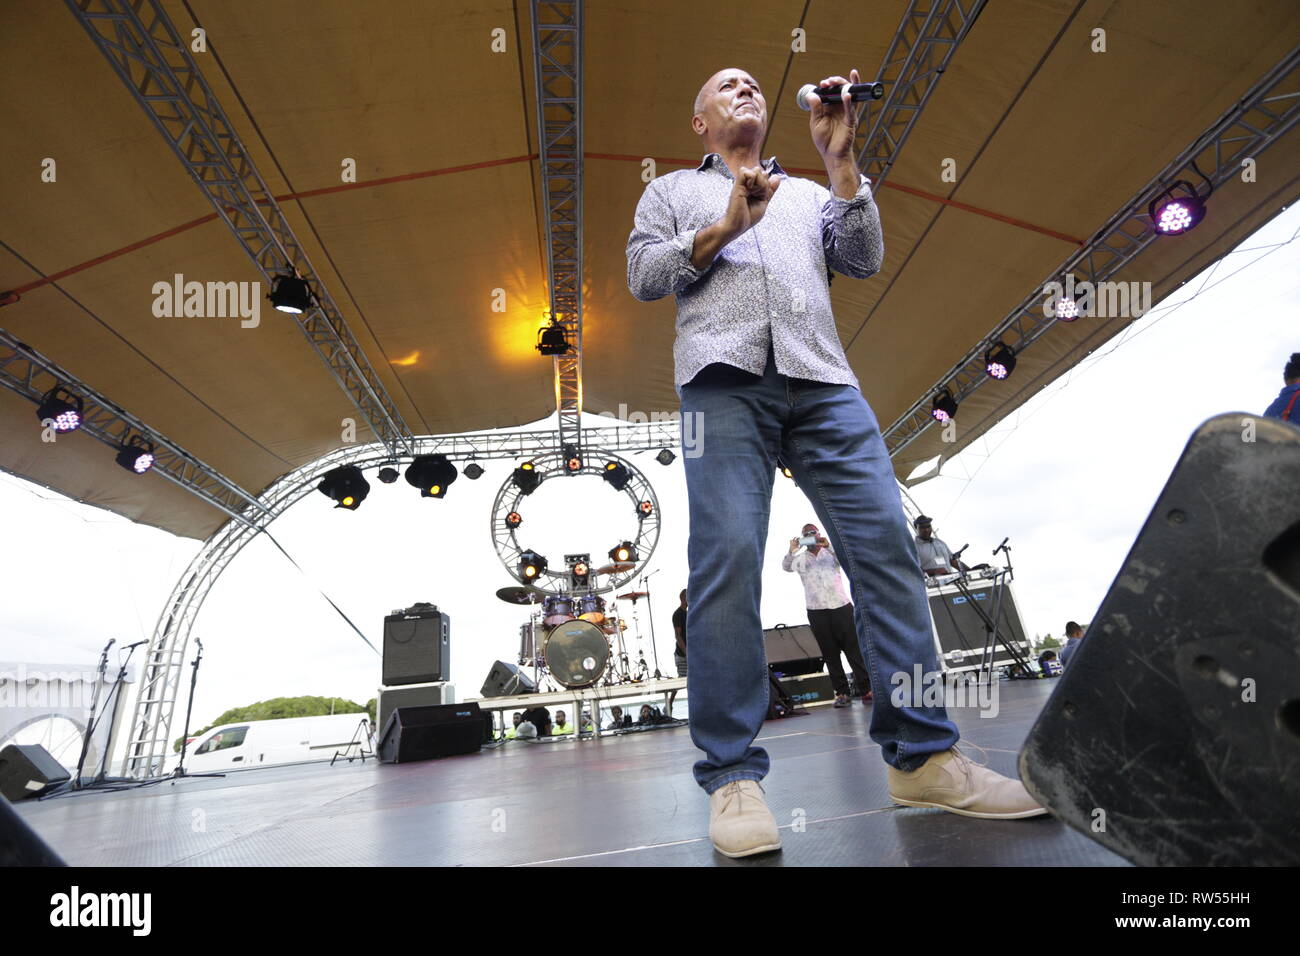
[(827, 435)]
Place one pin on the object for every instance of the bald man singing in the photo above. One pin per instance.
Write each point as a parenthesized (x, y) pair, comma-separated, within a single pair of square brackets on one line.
[(746, 250)]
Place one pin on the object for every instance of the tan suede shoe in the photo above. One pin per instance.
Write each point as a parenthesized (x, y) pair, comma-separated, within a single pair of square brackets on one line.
[(952, 782), (740, 824)]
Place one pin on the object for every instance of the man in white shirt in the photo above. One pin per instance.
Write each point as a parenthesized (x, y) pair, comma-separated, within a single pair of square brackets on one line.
[(830, 612)]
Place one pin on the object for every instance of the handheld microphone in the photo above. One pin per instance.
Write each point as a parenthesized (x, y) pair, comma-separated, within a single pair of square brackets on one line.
[(831, 94), (957, 554), (1002, 545), (136, 644)]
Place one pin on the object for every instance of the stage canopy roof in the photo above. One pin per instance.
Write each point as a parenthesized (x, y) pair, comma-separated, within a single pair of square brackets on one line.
[(1049, 139)]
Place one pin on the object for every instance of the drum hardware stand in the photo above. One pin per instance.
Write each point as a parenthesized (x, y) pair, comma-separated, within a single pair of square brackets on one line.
[(642, 669), (650, 613)]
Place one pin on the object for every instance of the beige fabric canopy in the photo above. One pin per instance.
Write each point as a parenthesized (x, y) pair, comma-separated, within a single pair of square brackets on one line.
[(445, 212)]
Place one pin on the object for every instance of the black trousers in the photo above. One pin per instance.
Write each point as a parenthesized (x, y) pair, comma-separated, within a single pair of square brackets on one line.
[(835, 633)]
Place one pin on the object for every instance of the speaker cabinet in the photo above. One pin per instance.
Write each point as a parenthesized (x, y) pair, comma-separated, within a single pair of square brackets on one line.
[(792, 649), (412, 695), (1173, 737), (416, 646), (422, 733), (28, 770)]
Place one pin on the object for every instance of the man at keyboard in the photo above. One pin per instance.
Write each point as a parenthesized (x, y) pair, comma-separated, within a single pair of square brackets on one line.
[(935, 556)]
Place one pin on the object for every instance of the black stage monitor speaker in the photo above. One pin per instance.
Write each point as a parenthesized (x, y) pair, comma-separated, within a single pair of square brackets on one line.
[(507, 680), (416, 648), (422, 733), (28, 770), (793, 649), (1173, 737)]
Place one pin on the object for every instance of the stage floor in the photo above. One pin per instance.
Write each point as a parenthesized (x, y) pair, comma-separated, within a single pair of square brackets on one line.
[(617, 801)]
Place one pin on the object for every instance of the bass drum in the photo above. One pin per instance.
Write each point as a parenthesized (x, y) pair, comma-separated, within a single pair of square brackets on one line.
[(577, 653)]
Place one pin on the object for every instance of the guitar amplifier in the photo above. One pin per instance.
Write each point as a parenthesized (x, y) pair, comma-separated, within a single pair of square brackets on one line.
[(792, 650), (416, 646)]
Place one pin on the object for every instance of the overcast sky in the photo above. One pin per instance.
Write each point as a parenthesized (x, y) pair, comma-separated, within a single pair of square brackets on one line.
[(1070, 478)]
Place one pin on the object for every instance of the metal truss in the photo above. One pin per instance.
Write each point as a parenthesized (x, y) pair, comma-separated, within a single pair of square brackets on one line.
[(154, 61), (1250, 126), (638, 490), (161, 680), (31, 375), (557, 59), (923, 44)]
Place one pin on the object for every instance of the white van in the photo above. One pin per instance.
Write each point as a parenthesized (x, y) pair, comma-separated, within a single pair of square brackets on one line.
[(261, 743)]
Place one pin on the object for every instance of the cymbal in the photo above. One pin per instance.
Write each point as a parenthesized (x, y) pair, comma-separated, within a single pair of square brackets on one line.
[(633, 595), (519, 595), (617, 567)]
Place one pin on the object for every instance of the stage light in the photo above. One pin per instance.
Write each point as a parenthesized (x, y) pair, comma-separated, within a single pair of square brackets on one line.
[(531, 565), (944, 408), (572, 459), (526, 478), (1000, 361), (136, 455), (290, 294), (514, 519), (473, 471), (1173, 215), (553, 340), (64, 413), (580, 574), (623, 553), (346, 485), (616, 475), (388, 475), (646, 507), (431, 474), (1067, 309), (665, 456)]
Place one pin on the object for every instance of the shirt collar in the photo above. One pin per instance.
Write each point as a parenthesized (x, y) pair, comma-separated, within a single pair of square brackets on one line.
[(770, 165)]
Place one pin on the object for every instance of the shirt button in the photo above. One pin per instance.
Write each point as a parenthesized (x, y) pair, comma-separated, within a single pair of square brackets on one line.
[(774, 315)]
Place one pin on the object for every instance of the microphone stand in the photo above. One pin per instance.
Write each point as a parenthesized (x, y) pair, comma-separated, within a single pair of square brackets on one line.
[(90, 722), (179, 772), (993, 634), (116, 699), (1006, 550)]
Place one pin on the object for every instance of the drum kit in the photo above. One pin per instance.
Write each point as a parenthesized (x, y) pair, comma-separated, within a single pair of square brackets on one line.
[(576, 638)]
